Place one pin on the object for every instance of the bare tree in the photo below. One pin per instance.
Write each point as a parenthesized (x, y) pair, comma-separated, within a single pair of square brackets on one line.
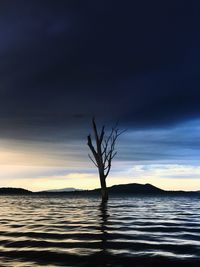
[(103, 153)]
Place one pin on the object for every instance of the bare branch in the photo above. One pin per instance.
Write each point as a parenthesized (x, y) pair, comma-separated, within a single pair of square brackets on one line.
[(90, 145), (114, 155), (121, 132), (102, 135), (94, 152), (95, 130), (104, 150), (93, 160), (108, 170)]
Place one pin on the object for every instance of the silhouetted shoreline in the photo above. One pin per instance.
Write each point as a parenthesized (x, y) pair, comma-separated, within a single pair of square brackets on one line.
[(116, 190)]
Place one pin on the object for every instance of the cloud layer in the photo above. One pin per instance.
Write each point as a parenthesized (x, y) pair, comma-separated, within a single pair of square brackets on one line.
[(63, 62)]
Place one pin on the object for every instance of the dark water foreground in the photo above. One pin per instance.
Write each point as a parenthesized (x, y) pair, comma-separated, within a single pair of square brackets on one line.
[(148, 231)]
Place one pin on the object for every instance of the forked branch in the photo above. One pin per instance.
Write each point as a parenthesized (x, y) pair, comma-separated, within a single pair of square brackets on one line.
[(104, 150)]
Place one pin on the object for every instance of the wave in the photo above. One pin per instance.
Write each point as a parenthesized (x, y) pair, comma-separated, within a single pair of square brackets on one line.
[(81, 232)]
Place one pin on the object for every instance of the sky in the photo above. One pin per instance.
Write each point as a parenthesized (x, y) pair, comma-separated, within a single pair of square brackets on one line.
[(135, 62)]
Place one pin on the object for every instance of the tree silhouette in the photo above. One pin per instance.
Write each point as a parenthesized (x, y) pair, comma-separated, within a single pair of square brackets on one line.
[(103, 153)]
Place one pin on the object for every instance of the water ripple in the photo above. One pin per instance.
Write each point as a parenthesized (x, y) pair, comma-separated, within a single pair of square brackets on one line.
[(41, 231)]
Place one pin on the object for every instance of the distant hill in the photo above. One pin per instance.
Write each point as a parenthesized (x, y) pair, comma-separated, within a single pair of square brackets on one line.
[(69, 189), (123, 189), (14, 191), (135, 189), (113, 190)]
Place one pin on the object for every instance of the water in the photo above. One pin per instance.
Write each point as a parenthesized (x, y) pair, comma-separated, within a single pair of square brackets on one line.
[(62, 231)]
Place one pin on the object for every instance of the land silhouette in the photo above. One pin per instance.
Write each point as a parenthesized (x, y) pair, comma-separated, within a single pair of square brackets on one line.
[(133, 189), (14, 191)]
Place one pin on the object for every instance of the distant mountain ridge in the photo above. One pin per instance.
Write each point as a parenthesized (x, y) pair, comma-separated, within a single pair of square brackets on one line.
[(122, 189), (69, 189), (14, 191)]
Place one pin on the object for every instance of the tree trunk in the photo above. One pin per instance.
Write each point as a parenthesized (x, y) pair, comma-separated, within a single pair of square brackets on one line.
[(104, 190), (103, 153)]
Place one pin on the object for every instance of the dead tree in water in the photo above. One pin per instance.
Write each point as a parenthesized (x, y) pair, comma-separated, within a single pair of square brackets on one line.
[(103, 153)]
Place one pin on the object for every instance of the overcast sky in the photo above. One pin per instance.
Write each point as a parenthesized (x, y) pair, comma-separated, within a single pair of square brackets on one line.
[(63, 62)]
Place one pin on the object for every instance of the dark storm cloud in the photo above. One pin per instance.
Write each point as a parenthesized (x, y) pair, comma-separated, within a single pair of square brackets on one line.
[(64, 61)]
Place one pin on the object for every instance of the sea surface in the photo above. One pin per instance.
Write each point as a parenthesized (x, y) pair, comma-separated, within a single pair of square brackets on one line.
[(127, 231)]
